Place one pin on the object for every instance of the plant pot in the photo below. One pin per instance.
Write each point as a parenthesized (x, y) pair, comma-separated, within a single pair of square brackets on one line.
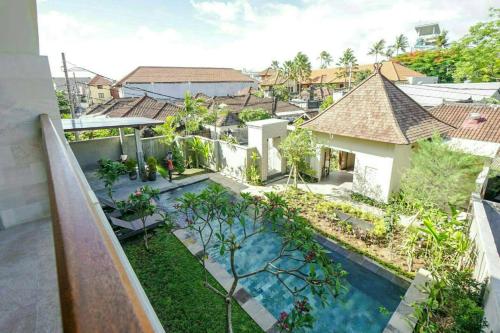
[(132, 175), (152, 176)]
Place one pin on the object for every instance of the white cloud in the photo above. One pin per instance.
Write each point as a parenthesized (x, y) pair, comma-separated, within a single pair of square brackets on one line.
[(248, 36)]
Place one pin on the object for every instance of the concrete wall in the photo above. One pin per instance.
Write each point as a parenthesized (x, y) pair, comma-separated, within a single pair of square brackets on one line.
[(94, 92), (377, 167), (234, 160), (26, 91), (179, 89), (88, 152), (484, 231), (479, 148)]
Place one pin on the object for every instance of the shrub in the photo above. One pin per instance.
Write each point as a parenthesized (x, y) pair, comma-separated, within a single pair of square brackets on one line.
[(439, 177), (130, 164), (253, 114), (178, 159), (152, 163)]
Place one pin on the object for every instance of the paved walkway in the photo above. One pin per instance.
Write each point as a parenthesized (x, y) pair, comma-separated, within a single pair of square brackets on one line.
[(29, 297)]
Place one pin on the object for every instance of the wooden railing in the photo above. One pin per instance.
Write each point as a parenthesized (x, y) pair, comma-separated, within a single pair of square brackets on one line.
[(98, 291)]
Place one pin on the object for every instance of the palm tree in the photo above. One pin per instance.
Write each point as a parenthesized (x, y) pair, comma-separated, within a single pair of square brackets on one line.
[(302, 68), (400, 44), (325, 58), (389, 51), (347, 62), (377, 49), (442, 39), (275, 65)]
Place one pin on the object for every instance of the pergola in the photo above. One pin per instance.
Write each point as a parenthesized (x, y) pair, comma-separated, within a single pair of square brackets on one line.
[(137, 123)]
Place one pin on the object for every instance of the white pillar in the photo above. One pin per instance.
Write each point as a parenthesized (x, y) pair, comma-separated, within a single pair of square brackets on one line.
[(122, 140), (138, 147), (18, 27)]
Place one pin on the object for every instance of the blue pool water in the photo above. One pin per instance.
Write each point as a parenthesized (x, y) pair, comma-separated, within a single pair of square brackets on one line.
[(357, 309)]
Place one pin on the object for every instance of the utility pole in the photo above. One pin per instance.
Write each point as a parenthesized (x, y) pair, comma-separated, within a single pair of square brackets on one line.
[(70, 95)]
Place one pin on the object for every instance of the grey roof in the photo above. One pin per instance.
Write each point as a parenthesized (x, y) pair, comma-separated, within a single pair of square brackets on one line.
[(429, 95), (87, 123)]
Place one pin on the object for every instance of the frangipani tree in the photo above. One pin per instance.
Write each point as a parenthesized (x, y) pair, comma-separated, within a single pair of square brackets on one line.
[(296, 148), (299, 263), (109, 172)]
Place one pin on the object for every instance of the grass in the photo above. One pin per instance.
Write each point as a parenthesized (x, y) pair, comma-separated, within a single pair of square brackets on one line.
[(173, 281)]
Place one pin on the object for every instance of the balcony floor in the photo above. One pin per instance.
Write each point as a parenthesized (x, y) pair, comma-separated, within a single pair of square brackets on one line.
[(29, 300)]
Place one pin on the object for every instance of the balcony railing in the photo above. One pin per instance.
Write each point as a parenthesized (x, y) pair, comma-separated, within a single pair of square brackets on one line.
[(98, 289)]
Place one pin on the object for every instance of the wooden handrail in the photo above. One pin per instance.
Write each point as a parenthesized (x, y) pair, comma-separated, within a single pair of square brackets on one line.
[(96, 291)]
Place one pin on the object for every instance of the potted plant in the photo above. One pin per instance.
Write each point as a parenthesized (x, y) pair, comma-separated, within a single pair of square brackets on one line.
[(152, 168), (130, 165)]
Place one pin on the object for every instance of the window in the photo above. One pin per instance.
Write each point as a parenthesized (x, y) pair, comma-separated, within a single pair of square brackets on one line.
[(99, 86), (101, 95)]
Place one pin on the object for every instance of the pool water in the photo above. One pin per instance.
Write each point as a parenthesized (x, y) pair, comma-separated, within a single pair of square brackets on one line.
[(357, 309)]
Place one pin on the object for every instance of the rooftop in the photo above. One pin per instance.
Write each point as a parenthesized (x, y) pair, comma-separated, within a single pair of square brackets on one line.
[(147, 74), (378, 110), (99, 80), (485, 128)]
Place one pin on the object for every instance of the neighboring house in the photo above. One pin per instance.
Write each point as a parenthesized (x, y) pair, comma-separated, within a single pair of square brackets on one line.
[(229, 108), (144, 106), (374, 127), (427, 35), (477, 127), (430, 95), (100, 90), (174, 82), (335, 78), (78, 86)]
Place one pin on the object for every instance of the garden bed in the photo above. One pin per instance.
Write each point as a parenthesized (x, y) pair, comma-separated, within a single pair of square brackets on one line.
[(384, 249), (173, 281)]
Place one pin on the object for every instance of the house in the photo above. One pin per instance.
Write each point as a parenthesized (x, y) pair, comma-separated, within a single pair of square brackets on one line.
[(78, 86), (174, 82), (372, 129), (229, 108), (144, 106), (336, 78), (427, 35), (477, 127), (100, 90), (430, 95)]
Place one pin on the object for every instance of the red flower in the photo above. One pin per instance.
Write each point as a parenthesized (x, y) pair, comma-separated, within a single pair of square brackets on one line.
[(310, 256), (138, 193), (283, 316)]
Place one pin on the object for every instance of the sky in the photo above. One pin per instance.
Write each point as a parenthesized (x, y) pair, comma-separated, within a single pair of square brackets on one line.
[(113, 37)]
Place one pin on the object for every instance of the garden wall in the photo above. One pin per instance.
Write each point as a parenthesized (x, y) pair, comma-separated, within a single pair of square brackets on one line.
[(485, 231)]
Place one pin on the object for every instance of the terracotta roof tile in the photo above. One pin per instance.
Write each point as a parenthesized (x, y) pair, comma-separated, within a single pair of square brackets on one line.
[(146, 74), (377, 110), (486, 128), (99, 80)]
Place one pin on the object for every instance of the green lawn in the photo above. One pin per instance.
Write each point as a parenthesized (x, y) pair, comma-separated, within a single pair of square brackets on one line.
[(173, 281)]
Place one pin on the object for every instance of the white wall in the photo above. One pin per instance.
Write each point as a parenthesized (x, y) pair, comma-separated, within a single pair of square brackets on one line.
[(179, 89), (26, 91), (479, 148), (234, 160), (374, 166)]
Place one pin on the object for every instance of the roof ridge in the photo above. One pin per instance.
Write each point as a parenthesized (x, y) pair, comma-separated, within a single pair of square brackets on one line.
[(140, 100), (341, 98), (418, 105), (391, 107)]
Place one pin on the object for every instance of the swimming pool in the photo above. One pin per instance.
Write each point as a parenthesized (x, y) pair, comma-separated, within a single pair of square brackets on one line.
[(358, 309)]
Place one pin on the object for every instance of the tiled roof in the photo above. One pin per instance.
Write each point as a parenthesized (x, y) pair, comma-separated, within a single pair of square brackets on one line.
[(146, 74), (100, 81), (486, 128), (136, 107), (392, 70), (377, 110), (236, 104)]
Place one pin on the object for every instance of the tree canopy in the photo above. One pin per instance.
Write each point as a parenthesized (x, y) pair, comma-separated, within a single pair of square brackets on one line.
[(253, 114)]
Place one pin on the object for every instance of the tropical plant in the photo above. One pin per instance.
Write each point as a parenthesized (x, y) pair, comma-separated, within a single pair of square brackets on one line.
[(248, 114), (140, 204), (281, 92), (178, 159), (377, 49), (275, 65), (229, 139), (360, 76), (193, 112), (439, 177), (130, 165), (152, 166), (325, 59), (326, 103), (479, 49), (63, 103), (227, 224), (302, 68), (109, 172), (348, 64), (400, 44), (167, 130), (200, 150), (253, 171), (442, 40), (296, 148)]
